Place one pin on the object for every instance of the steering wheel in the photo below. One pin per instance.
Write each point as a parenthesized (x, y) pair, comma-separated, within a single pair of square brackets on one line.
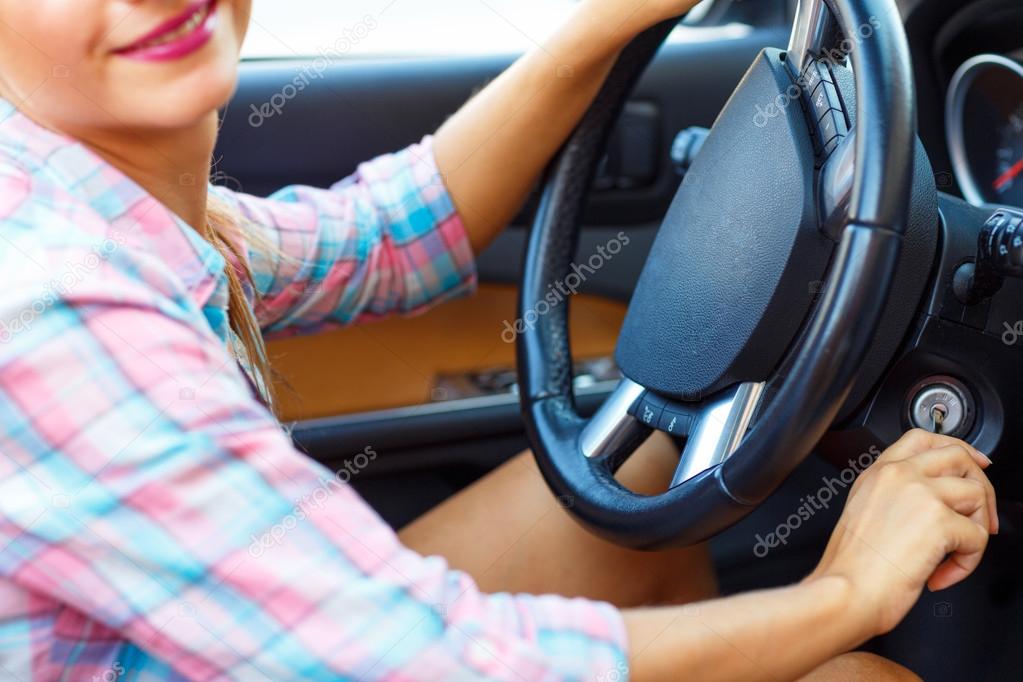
[(722, 344)]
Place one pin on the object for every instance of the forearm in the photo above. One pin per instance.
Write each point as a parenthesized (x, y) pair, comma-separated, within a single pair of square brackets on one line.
[(778, 634), (492, 151)]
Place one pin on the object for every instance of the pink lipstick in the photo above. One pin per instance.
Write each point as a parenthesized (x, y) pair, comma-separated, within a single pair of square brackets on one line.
[(177, 37)]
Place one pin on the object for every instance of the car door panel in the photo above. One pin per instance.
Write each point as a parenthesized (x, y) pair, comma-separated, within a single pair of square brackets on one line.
[(398, 362)]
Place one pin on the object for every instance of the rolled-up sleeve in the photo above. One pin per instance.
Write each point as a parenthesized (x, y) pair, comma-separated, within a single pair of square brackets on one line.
[(143, 487), (386, 240)]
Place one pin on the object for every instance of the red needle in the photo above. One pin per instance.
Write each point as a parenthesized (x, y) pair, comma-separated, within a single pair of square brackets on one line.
[(1009, 175)]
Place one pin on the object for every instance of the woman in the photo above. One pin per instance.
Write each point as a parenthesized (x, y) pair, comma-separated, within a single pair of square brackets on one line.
[(141, 470)]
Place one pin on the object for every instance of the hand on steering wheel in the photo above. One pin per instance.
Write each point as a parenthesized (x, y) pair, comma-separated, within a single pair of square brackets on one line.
[(631, 17)]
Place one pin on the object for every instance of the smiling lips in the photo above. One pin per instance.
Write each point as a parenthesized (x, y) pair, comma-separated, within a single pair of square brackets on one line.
[(176, 38)]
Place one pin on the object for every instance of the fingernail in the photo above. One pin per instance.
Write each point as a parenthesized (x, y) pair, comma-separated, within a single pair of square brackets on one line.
[(986, 458)]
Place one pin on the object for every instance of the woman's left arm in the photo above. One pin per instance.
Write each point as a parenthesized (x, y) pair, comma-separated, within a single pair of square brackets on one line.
[(399, 235), (491, 152)]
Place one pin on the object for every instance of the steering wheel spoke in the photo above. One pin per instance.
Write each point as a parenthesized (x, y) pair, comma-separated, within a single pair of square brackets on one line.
[(813, 27), (613, 428), (719, 430)]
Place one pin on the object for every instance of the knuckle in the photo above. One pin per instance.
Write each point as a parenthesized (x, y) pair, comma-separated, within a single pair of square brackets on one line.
[(978, 486), (932, 507), (940, 516), (918, 438), (978, 492), (894, 474), (980, 537), (978, 495), (962, 453), (918, 490)]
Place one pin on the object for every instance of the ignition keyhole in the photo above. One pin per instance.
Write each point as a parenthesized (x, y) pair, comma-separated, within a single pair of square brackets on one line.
[(942, 405)]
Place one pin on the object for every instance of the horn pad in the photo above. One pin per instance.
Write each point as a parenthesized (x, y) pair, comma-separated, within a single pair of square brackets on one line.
[(739, 259)]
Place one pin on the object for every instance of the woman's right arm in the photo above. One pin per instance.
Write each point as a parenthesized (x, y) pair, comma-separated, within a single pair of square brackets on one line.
[(920, 515), (148, 503), (387, 240)]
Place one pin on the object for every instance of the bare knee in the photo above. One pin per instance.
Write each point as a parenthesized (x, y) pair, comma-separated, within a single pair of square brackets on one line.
[(649, 471), (859, 665)]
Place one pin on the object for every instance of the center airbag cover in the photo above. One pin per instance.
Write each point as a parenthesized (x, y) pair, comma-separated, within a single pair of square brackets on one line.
[(739, 259)]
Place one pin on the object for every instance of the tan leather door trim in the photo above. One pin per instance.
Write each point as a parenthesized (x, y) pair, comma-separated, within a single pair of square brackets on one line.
[(394, 363)]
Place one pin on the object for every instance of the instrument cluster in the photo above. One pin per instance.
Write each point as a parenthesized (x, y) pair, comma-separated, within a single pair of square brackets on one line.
[(984, 119)]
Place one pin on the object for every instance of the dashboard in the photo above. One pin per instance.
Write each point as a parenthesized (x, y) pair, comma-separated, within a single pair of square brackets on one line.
[(968, 63), (984, 118)]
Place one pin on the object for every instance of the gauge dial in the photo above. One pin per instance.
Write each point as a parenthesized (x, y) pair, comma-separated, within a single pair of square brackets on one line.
[(985, 129)]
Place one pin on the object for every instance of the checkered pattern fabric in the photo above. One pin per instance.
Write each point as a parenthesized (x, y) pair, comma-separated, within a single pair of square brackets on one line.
[(156, 523)]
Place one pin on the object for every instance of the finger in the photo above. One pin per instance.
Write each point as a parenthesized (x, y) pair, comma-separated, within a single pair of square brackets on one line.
[(955, 460), (965, 543), (948, 460), (964, 496), (919, 441)]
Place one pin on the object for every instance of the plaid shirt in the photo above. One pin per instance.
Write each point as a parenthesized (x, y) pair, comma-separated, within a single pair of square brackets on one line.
[(155, 521)]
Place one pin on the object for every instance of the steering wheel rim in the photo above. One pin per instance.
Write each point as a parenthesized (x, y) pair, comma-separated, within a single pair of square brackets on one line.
[(832, 345)]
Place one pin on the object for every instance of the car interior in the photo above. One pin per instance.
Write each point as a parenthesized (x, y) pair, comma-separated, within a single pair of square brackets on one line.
[(823, 245)]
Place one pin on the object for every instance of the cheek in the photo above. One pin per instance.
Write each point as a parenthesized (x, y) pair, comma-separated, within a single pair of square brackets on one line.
[(47, 65), (40, 43), (243, 13), (53, 63)]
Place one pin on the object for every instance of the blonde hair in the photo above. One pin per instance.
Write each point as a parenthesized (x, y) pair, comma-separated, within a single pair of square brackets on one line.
[(225, 230)]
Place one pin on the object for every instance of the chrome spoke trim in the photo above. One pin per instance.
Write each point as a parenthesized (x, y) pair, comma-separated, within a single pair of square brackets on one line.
[(612, 425), (719, 431), (808, 32)]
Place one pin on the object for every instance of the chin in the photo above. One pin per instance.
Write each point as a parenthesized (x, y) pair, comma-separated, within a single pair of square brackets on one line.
[(181, 93), (183, 100), (193, 100)]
